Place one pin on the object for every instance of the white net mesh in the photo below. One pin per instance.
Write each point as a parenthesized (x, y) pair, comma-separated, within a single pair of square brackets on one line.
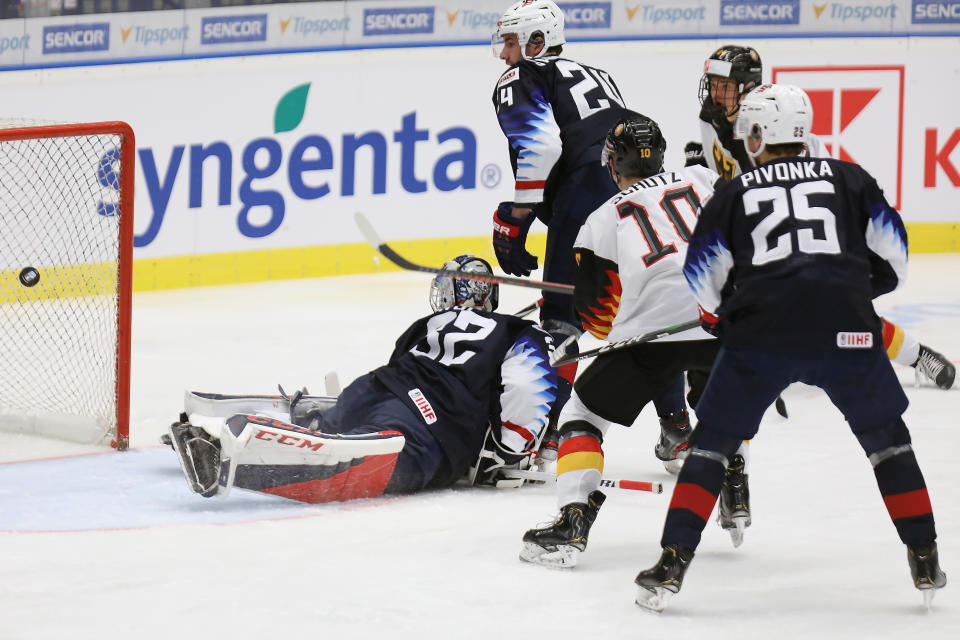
[(58, 334)]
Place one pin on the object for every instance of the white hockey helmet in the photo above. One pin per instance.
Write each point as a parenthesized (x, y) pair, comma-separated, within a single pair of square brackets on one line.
[(447, 292), (528, 18), (774, 114)]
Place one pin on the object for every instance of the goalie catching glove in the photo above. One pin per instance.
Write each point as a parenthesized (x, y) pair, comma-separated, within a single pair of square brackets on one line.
[(494, 458), (509, 241)]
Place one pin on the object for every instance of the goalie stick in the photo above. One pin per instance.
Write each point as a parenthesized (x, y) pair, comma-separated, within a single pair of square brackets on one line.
[(371, 236), (530, 308), (561, 359), (610, 483)]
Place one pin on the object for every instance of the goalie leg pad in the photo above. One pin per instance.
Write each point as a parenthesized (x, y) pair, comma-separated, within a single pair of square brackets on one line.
[(226, 405), (279, 458), (199, 456)]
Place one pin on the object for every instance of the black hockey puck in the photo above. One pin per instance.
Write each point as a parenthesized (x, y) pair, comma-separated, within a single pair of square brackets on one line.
[(29, 276)]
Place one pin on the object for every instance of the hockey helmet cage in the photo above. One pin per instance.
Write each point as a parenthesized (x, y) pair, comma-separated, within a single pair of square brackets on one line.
[(774, 114), (534, 21), (636, 146), (447, 292), (742, 64)]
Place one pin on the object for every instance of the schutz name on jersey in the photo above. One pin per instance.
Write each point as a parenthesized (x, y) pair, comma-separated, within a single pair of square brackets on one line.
[(660, 180), (784, 171)]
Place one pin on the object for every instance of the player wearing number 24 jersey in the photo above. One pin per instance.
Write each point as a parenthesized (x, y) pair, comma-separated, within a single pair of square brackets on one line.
[(555, 113)]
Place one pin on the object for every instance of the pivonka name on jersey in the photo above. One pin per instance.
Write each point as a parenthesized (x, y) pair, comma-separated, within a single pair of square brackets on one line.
[(786, 171)]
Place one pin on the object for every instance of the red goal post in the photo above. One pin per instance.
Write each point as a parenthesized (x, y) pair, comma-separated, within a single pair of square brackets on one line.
[(66, 246)]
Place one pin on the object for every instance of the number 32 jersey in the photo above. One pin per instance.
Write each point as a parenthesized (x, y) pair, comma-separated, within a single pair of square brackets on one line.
[(555, 113), (792, 253), (466, 369), (630, 254)]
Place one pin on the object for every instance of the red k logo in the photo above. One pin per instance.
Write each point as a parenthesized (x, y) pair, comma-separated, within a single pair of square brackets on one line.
[(858, 114)]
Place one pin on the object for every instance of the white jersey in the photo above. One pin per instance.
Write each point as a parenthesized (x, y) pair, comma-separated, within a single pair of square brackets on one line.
[(631, 251), (728, 156)]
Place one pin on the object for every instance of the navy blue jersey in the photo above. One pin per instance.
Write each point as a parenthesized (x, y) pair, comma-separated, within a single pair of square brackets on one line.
[(463, 370), (555, 113), (792, 253)]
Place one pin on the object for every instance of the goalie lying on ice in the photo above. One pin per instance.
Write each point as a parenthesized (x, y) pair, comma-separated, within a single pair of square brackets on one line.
[(419, 421)]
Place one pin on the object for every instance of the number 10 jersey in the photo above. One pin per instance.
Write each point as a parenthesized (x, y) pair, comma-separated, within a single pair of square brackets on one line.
[(630, 253)]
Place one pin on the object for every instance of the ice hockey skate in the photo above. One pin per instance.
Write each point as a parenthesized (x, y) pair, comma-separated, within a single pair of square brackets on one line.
[(733, 510), (662, 580), (199, 455), (934, 367), (559, 543), (925, 570), (671, 448)]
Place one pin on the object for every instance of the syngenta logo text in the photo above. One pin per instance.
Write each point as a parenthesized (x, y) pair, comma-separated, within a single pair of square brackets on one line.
[(759, 12), (944, 12), (655, 14), (391, 22), (586, 15), (842, 12), (308, 162), (76, 38), (230, 29)]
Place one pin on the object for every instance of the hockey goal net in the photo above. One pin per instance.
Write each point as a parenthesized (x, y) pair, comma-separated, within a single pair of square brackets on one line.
[(66, 239)]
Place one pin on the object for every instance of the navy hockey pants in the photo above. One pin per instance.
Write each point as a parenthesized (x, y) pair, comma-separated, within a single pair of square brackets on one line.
[(743, 384), (579, 195), (367, 406)]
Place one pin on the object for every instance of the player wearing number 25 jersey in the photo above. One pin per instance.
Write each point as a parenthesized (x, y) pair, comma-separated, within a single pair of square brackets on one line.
[(822, 223), (790, 255)]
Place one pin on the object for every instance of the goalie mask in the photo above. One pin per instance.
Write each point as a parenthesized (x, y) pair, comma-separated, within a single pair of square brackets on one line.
[(634, 148), (447, 292), (535, 22), (741, 64), (774, 114)]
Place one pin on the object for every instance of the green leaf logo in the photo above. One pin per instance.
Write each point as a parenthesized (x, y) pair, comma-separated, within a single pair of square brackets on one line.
[(289, 113)]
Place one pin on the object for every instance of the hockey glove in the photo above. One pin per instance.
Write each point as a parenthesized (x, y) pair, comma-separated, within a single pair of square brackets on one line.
[(509, 240), (694, 154), (709, 322)]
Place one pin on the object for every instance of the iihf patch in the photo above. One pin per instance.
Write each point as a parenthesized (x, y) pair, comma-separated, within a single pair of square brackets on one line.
[(429, 416), (855, 340), (509, 76)]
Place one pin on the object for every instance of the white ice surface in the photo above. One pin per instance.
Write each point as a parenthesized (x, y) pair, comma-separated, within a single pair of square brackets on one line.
[(112, 545)]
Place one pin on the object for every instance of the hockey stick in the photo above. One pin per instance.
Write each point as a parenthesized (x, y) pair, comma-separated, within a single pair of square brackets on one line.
[(370, 235), (530, 308), (610, 483), (781, 406), (623, 344)]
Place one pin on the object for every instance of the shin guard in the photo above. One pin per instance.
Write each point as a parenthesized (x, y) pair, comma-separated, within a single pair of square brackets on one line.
[(697, 489), (901, 483)]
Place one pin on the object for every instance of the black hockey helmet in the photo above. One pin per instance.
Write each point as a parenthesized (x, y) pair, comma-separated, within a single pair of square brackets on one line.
[(742, 64), (636, 146)]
